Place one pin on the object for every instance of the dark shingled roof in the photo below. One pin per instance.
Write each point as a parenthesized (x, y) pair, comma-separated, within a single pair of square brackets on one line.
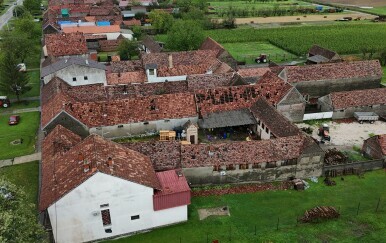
[(278, 124), (65, 62), (321, 51), (151, 44), (227, 119)]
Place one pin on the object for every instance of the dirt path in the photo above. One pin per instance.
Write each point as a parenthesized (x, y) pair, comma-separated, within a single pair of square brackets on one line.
[(309, 18), (371, 3)]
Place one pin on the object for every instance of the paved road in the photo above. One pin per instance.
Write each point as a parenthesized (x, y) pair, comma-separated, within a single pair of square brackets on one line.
[(24, 110), (21, 159), (8, 15)]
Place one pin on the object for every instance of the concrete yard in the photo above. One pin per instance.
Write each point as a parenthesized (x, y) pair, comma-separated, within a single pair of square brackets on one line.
[(349, 134)]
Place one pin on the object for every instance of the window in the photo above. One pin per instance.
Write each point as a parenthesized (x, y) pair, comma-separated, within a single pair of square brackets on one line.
[(256, 166), (134, 217), (120, 126), (258, 122), (108, 231), (243, 166), (146, 123), (270, 165), (266, 130), (106, 219), (262, 125), (230, 167), (74, 79), (85, 78), (166, 120), (104, 205), (151, 71), (216, 167)]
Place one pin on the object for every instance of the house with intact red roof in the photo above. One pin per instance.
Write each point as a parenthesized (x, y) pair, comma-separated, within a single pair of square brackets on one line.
[(344, 104), (94, 189)]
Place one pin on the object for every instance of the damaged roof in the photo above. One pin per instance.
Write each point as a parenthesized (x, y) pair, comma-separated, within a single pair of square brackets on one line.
[(227, 119), (209, 81), (65, 44), (333, 71), (245, 152), (322, 52), (182, 63), (62, 168), (366, 97)]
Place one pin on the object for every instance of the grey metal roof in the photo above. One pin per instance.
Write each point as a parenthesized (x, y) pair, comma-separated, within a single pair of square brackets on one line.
[(151, 66), (318, 59), (65, 62), (227, 119)]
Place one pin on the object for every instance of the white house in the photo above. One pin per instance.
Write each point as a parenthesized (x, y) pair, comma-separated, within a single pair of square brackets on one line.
[(75, 71), (98, 189)]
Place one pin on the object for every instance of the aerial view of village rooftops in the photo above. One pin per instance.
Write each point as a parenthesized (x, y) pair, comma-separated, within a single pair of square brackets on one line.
[(189, 121)]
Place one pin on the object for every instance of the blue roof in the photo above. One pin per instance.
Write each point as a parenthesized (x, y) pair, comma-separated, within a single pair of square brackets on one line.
[(65, 22), (103, 23)]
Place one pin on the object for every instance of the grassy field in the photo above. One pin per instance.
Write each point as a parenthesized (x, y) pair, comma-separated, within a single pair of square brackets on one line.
[(20, 105), (263, 210), (345, 39), (248, 51), (384, 75), (25, 176), (257, 5), (376, 10), (26, 129)]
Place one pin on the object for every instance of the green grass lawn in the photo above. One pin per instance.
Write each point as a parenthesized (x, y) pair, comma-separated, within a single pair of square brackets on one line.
[(26, 129), (384, 75), (25, 176), (20, 105), (262, 210), (248, 51)]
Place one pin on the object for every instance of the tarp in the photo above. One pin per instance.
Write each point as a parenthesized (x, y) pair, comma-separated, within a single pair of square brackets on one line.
[(103, 23)]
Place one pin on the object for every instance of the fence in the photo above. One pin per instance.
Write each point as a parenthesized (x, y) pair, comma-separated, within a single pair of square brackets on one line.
[(282, 227), (317, 116), (355, 166)]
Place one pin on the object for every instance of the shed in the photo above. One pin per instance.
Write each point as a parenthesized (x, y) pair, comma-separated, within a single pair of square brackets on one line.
[(64, 12), (227, 119)]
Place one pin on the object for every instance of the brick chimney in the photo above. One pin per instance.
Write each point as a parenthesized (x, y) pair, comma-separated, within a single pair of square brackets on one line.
[(170, 61)]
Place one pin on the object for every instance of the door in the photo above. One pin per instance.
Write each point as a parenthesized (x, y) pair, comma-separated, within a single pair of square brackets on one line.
[(192, 140)]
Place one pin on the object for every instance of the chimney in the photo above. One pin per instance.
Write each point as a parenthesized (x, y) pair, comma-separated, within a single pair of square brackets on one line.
[(86, 62), (86, 166), (170, 61)]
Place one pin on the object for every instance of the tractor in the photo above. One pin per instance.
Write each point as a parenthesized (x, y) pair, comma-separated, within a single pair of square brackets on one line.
[(261, 59), (4, 101), (324, 133)]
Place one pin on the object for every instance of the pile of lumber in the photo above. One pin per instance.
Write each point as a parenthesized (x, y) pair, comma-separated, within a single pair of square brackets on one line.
[(334, 157), (322, 212)]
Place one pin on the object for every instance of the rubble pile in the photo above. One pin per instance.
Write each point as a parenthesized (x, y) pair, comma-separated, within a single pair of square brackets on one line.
[(334, 157)]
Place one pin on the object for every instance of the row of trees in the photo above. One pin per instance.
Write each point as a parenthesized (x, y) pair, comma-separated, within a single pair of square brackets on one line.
[(16, 45), (266, 12)]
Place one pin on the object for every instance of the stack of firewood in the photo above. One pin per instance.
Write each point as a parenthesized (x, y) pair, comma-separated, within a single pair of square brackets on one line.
[(322, 212)]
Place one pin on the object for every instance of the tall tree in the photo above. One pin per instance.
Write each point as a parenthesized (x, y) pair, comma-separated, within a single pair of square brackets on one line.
[(18, 223), (11, 80), (32, 5), (185, 35), (18, 44), (27, 26), (127, 49), (161, 20)]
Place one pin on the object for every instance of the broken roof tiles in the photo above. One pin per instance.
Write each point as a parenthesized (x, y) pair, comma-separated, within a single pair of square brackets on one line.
[(366, 97), (333, 71), (181, 63), (246, 152), (66, 44), (126, 78), (62, 172), (93, 29)]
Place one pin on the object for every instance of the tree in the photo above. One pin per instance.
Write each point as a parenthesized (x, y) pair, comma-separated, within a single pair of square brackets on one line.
[(137, 32), (11, 80), (26, 25), (161, 20), (185, 35), (20, 11), (18, 223), (32, 5), (19, 44), (128, 49)]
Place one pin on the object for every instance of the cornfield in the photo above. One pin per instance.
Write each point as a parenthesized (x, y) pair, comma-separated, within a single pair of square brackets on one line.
[(342, 38)]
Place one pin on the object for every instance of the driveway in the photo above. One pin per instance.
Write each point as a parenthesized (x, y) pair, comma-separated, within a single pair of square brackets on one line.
[(8, 15)]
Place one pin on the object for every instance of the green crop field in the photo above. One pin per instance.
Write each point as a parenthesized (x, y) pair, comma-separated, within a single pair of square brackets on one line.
[(248, 51), (345, 39), (254, 216)]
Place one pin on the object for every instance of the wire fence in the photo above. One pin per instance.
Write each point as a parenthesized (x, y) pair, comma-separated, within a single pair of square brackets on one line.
[(257, 231)]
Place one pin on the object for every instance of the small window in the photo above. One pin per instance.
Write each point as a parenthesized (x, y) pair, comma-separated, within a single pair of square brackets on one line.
[(243, 166), (120, 126), (256, 165), (106, 219), (85, 78), (262, 125), (74, 79), (216, 167), (134, 217), (108, 231), (151, 71), (166, 120), (230, 167), (258, 122), (104, 205), (146, 123), (266, 130)]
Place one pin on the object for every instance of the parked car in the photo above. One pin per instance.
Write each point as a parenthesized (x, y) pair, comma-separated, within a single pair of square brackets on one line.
[(4, 101), (14, 120)]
